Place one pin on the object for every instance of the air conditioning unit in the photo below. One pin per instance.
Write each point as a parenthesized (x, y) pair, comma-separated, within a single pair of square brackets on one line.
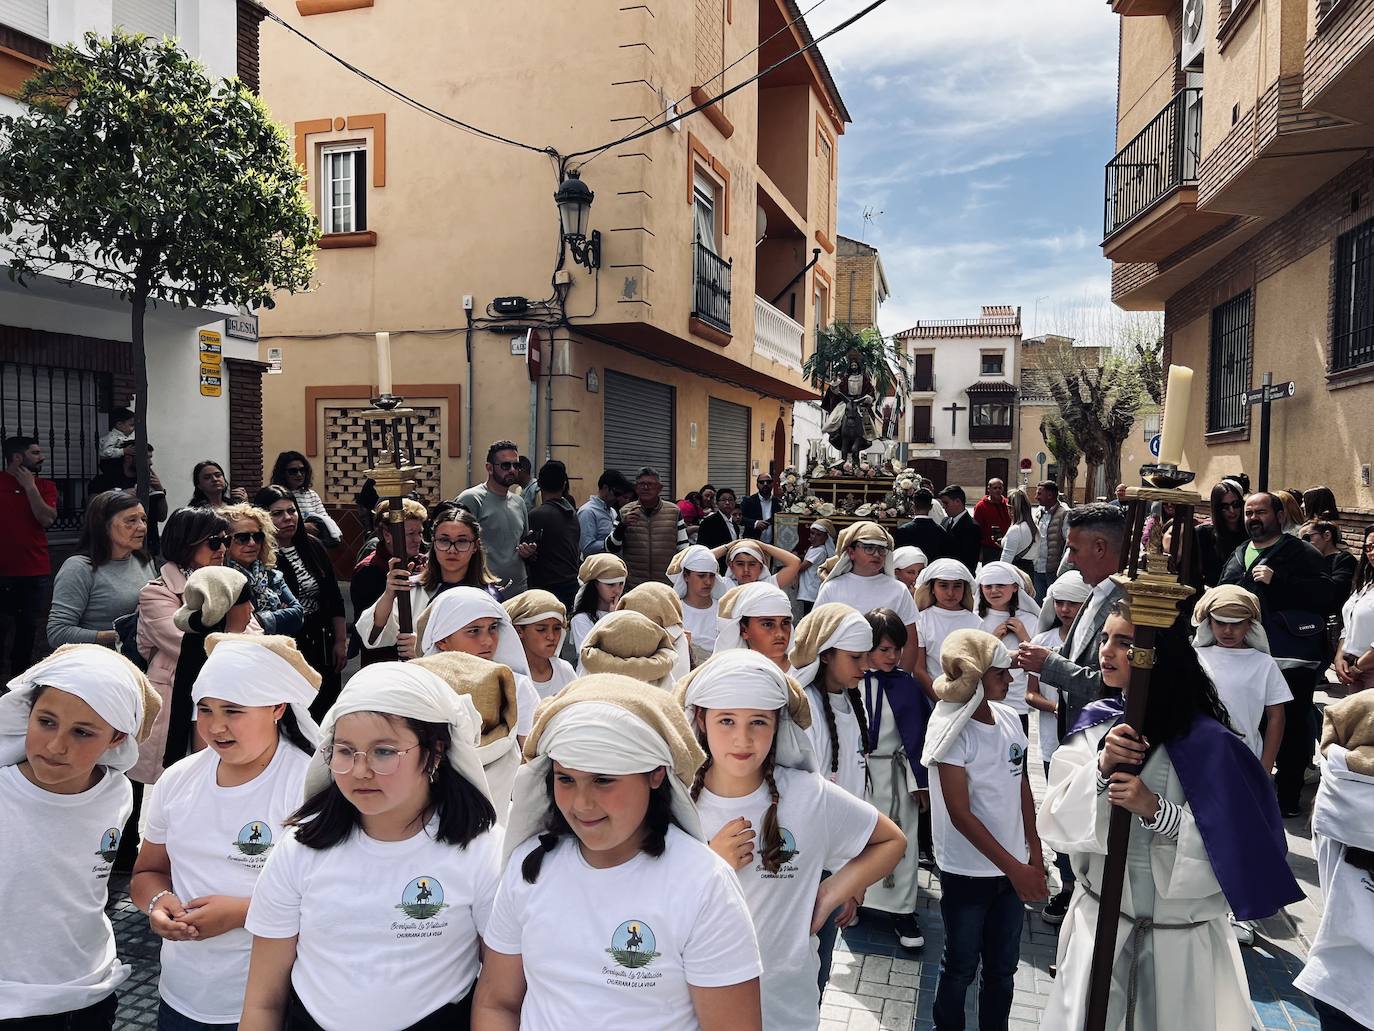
[(1194, 15)]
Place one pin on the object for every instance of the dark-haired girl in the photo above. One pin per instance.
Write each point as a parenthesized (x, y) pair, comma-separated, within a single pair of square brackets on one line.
[(777, 823), (613, 912), (292, 473), (1011, 615), (213, 818), (369, 911), (1217, 540), (211, 489), (1205, 837)]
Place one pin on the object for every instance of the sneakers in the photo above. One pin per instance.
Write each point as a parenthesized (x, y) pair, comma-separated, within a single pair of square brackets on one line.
[(1056, 908), (908, 930), (926, 860)]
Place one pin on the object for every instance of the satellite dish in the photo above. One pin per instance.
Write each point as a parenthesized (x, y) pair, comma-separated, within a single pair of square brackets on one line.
[(760, 224)]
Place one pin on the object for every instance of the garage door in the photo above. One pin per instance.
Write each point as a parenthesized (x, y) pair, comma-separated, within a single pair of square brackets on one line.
[(637, 425), (727, 455)]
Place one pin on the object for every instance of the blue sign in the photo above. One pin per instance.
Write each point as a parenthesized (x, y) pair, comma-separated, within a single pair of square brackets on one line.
[(1154, 445)]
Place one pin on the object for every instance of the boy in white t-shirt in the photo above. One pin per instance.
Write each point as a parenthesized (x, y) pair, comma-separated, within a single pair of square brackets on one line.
[(818, 548), (984, 820)]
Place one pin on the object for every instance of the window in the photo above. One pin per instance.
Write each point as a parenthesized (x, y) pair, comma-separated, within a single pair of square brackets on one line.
[(1353, 324), (818, 310), (991, 414), (1150, 426), (920, 424), (155, 18), (989, 421), (923, 372), (28, 16), (704, 193), (992, 364), (343, 188), (824, 171), (1228, 364)]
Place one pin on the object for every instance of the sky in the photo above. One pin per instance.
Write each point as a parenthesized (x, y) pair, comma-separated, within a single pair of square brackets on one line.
[(978, 143)]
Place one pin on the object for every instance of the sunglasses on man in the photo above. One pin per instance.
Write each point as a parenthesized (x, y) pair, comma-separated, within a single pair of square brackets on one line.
[(505, 465)]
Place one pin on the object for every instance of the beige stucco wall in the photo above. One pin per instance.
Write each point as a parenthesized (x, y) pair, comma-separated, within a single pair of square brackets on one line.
[(1147, 73)]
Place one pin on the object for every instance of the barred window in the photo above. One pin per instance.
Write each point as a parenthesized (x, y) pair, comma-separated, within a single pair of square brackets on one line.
[(1228, 363), (1353, 325)]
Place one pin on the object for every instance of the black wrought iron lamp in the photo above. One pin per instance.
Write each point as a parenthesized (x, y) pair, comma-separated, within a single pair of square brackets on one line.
[(574, 199)]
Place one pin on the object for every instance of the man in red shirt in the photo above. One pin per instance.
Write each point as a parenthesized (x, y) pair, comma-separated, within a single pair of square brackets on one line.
[(28, 506), (993, 516)]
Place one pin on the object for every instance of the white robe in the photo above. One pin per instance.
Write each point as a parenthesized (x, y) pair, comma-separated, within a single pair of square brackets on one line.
[(1186, 980)]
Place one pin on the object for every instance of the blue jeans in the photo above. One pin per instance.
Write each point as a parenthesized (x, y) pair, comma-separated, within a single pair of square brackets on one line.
[(169, 1019), (1041, 582), (983, 918), (1333, 1019)]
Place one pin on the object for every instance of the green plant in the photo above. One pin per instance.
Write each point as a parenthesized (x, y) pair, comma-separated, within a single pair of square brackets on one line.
[(133, 171)]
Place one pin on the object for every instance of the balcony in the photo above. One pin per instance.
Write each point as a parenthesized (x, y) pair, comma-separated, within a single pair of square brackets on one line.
[(1139, 8), (1339, 61), (776, 336), (710, 294), (923, 384), (989, 434), (1151, 186)]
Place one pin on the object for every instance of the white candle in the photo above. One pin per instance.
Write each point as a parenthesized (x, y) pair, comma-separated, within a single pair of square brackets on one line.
[(384, 363), (1176, 400)]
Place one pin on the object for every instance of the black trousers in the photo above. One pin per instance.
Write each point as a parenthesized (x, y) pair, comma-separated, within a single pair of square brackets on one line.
[(1295, 750), (97, 1017), (456, 1016), (21, 607)]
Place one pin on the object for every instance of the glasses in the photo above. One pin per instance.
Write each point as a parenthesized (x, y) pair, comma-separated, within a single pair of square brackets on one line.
[(1234, 506), (451, 544), (506, 465), (873, 549), (256, 537), (381, 760), (1369, 547), (296, 470), (216, 543)]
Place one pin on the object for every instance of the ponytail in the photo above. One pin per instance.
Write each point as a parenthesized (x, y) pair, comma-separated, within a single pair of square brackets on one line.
[(830, 726), (699, 781), (289, 728), (771, 844)]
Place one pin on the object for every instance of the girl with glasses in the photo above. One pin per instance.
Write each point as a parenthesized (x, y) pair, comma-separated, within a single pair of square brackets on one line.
[(292, 472), (370, 910), (215, 816), (1217, 540), (253, 552), (863, 579)]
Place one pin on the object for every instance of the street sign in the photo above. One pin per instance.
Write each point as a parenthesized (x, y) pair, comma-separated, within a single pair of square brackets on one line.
[(211, 348), (1040, 457), (1272, 392), (1264, 396), (1154, 444), (534, 354), (242, 327), (1026, 465)]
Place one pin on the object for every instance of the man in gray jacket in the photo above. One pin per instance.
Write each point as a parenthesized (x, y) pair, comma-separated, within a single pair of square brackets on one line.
[(1094, 544)]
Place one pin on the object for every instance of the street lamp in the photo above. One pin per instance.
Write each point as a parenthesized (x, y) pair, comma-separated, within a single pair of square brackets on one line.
[(574, 200)]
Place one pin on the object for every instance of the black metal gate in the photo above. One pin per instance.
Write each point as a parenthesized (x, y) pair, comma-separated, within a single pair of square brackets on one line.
[(1228, 364)]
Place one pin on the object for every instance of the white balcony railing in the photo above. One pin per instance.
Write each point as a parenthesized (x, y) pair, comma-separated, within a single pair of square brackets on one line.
[(776, 336)]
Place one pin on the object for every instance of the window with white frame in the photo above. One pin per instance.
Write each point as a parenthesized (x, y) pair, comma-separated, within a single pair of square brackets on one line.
[(992, 363), (343, 188), (704, 197)]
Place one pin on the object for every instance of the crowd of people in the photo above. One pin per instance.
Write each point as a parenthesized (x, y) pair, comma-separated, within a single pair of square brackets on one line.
[(635, 763)]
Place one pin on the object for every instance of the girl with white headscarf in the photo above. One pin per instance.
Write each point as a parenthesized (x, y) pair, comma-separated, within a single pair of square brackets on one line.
[(370, 909), (69, 729), (862, 577), (944, 598), (213, 817), (908, 562), (602, 577), (776, 823), (612, 911), (747, 561), (819, 547), (758, 617), (695, 575), (1009, 613), (541, 622), (467, 619)]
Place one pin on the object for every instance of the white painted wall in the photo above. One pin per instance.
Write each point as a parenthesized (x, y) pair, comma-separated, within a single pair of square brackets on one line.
[(958, 362), (206, 29), (806, 427)]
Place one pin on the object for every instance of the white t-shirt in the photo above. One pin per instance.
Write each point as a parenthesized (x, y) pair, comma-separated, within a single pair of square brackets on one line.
[(563, 675), (935, 624), (1049, 723), (1016, 692), (823, 827), (1247, 680), (618, 948), (218, 840), (1357, 615), (994, 759), (852, 761), (701, 624), (387, 929), (1016, 540), (809, 583), (527, 699), (866, 593), (1087, 617), (581, 626), (57, 952)]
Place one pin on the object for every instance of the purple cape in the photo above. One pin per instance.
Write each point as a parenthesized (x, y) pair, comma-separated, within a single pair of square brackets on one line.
[(1235, 809), (910, 707)]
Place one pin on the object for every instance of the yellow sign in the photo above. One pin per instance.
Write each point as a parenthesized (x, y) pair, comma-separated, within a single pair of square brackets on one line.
[(211, 349), (210, 381)]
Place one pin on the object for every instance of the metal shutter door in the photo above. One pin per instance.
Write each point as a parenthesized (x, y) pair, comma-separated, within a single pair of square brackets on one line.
[(30, 16), (727, 446), (638, 427), (155, 18)]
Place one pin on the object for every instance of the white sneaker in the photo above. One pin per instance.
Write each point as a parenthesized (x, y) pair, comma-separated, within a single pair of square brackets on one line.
[(1243, 930)]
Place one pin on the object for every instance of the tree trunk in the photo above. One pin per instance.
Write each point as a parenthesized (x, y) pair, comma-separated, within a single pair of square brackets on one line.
[(1112, 465), (1089, 478), (141, 463)]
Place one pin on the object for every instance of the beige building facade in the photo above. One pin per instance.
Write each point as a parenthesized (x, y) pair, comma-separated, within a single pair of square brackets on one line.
[(1241, 203), (681, 351)]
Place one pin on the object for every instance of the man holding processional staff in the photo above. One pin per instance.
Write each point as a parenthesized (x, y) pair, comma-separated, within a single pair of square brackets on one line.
[(1165, 813)]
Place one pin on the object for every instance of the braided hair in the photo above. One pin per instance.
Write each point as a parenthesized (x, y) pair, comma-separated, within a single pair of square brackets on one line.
[(699, 781), (829, 713), (770, 841), (658, 817)]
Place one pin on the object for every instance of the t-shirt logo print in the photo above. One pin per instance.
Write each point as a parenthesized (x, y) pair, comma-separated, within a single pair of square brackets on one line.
[(633, 944), (1016, 759), (423, 899), (254, 839), (109, 845), (789, 846)]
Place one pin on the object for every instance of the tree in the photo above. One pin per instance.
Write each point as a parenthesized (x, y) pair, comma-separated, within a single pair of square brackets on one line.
[(133, 171), (1059, 439), (1150, 367)]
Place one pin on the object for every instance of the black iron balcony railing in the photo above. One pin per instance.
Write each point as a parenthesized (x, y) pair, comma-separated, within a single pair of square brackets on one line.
[(1162, 157), (710, 287), (989, 434)]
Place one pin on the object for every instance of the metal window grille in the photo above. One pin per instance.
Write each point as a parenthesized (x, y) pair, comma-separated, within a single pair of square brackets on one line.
[(1228, 363), (63, 409), (711, 287), (1353, 339)]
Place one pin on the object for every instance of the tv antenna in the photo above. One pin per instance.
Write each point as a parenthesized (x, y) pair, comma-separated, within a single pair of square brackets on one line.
[(870, 216)]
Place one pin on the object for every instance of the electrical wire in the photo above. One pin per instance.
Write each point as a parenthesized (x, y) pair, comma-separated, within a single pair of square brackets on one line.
[(650, 130)]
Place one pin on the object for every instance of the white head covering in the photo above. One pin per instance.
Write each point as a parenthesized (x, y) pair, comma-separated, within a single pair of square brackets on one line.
[(867, 532), (246, 670), (696, 559), (750, 547), (908, 556), (1006, 574), (756, 599), (964, 657), (535, 606), (852, 633), (746, 680), (599, 568), (1069, 587), (402, 689), (459, 606), (106, 681), (943, 569), (594, 736)]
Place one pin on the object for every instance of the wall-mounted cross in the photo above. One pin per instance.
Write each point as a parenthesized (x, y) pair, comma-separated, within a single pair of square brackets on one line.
[(954, 410)]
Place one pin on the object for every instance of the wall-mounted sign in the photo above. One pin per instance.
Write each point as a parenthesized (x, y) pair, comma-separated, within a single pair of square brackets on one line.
[(210, 381), (211, 348), (242, 327), (593, 381), (274, 356)]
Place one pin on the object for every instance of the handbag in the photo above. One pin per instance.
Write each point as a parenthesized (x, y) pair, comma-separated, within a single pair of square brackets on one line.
[(1297, 634)]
